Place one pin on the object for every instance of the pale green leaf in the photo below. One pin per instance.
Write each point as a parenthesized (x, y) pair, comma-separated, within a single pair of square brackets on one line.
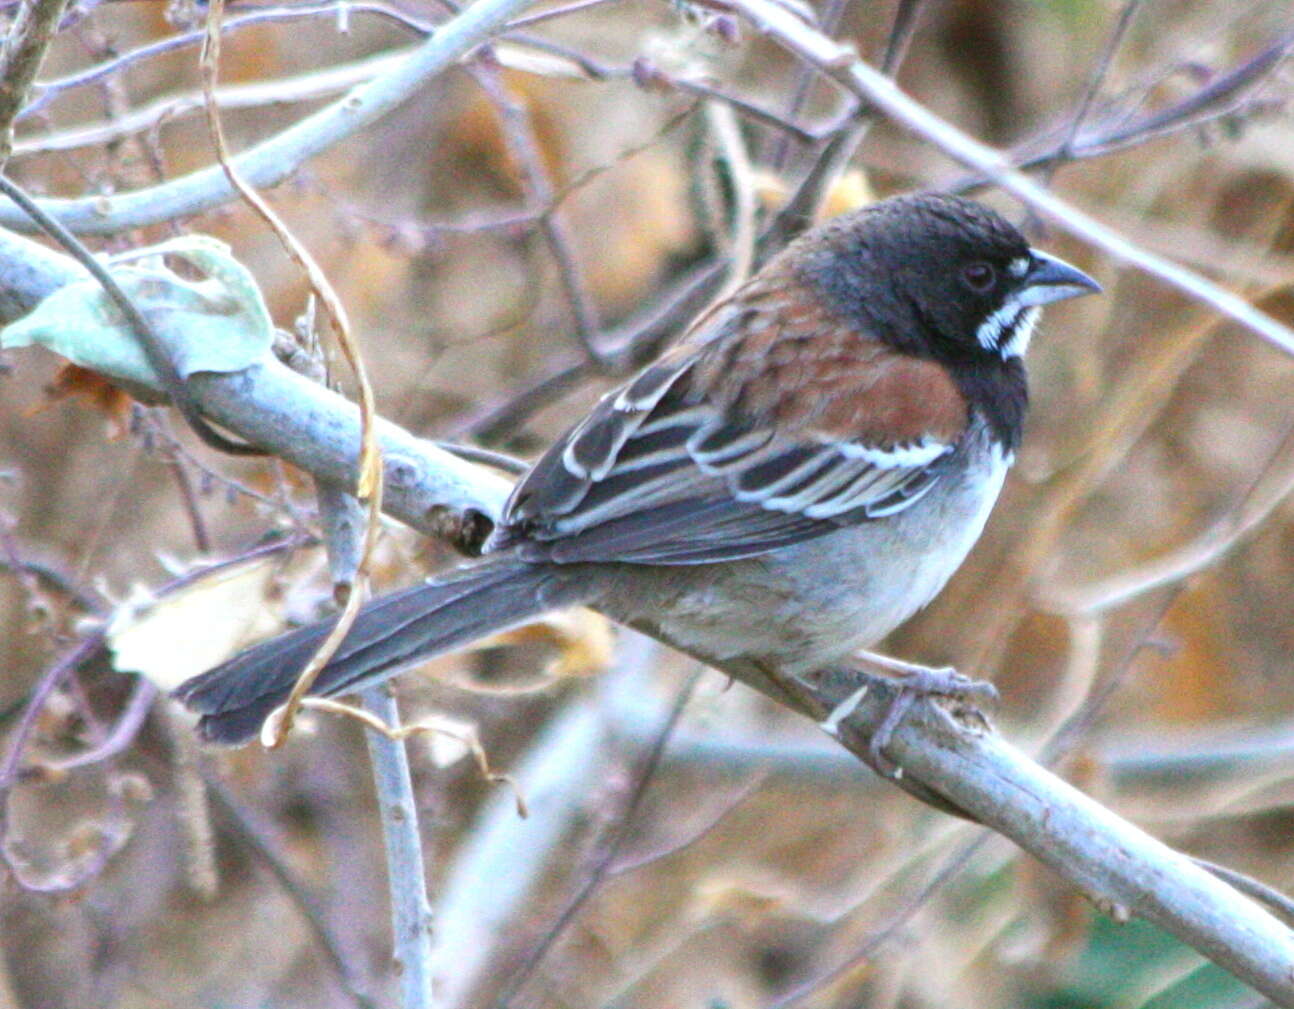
[(218, 323)]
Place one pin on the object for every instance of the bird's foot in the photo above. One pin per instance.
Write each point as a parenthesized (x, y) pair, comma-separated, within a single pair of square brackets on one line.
[(915, 683)]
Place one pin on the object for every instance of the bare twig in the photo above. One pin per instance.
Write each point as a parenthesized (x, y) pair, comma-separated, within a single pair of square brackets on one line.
[(272, 161), (244, 826), (369, 484), (806, 202), (611, 849), (410, 910), (1099, 73), (740, 243), (840, 64), (148, 116), (519, 134), (1224, 98), (21, 55), (49, 91), (123, 733), (951, 866), (555, 12), (431, 726), (1263, 497)]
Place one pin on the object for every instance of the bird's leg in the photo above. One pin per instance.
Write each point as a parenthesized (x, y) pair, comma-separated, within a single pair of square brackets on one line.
[(916, 681)]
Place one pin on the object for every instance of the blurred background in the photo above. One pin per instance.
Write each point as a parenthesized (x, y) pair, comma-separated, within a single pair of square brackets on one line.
[(1131, 597)]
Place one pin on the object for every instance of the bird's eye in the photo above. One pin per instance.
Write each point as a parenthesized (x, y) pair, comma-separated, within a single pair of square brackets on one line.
[(979, 277)]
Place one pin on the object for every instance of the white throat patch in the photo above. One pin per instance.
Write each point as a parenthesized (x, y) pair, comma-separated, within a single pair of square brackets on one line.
[(1009, 329)]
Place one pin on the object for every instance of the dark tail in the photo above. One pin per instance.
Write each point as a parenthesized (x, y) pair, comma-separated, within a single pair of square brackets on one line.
[(391, 633)]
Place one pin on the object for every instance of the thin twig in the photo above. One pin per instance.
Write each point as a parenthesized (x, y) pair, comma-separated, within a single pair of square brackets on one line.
[(48, 91), (951, 866), (369, 486), (411, 921), (633, 863), (21, 54), (243, 825), (523, 144), (806, 202), (1100, 72), (611, 849), (840, 65), (123, 733), (276, 158), (1262, 498), (146, 117), (556, 12), (740, 243)]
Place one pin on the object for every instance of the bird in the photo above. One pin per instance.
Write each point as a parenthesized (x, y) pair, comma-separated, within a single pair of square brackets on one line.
[(797, 475)]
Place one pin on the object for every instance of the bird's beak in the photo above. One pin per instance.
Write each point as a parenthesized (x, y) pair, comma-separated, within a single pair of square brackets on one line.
[(1050, 279)]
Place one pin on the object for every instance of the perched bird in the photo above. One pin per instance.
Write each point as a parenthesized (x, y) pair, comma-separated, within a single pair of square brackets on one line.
[(797, 476)]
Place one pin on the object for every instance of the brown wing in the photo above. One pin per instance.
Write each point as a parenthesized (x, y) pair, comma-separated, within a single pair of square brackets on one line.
[(772, 422)]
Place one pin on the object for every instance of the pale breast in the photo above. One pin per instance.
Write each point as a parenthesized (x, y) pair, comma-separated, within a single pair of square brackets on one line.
[(816, 602)]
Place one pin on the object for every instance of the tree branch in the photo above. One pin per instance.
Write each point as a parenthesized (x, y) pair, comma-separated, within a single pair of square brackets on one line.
[(953, 762), (21, 55), (410, 910), (840, 63), (269, 163), (292, 417)]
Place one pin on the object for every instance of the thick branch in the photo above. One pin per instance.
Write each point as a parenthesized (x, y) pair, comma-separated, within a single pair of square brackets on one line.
[(292, 417), (962, 767), (272, 161), (1109, 859)]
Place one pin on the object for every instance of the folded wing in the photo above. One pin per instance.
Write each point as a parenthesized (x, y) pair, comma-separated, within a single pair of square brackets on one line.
[(771, 423)]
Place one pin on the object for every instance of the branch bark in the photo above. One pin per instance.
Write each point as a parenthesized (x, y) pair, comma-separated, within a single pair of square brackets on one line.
[(270, 162), (406, 877), (950, 759), (21, 55), (840, 63)]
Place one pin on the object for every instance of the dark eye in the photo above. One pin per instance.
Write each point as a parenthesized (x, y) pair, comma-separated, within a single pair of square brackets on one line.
[(979, 277)]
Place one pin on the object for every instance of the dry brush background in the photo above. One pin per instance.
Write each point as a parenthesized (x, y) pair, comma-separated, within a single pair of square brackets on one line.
[(1133, 585)]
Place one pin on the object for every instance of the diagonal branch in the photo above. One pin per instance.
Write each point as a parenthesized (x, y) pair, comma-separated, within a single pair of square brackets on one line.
[(269, 163), (841, 64), (21, 55), (954, 762)]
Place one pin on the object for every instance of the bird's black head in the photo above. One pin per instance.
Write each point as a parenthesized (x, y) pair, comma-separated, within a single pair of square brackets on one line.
[(938, 276)]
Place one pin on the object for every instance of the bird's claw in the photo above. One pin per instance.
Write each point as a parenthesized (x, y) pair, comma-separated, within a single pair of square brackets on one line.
[(925, 684)]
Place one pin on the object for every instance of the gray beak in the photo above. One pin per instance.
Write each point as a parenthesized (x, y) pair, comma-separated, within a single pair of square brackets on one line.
[(1050, 279)]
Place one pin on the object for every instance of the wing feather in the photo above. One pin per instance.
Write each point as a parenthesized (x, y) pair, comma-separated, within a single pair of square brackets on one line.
[(768, 425)]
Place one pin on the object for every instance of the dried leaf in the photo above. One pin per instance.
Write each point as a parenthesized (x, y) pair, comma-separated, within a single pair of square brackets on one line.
[(92, 391), (187, 632)]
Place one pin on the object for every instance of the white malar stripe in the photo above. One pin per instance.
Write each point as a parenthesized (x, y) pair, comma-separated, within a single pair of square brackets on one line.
[(1019, 342), (991, 329), (918, 453)]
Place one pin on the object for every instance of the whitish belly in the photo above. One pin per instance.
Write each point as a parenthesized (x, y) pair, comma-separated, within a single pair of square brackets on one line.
[(814, 603)]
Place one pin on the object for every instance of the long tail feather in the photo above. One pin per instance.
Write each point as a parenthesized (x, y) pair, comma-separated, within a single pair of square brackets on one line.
[(391, 633)]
